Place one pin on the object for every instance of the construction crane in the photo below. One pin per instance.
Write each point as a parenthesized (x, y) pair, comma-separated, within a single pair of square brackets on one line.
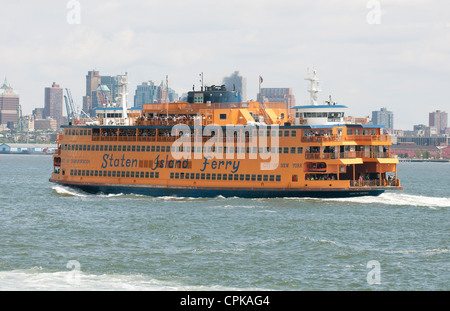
[(102, 98), (72, 113)]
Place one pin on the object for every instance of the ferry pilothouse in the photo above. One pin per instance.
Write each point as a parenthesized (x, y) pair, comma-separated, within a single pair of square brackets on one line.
[(215, 144)]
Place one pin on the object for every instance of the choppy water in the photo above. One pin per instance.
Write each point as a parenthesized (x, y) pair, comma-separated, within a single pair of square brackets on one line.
[(55, 238)]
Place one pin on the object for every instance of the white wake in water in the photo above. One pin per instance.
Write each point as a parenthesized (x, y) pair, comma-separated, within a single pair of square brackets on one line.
[(387, 198), (68, 191), (398, 199), (36, 279), (78, 193)]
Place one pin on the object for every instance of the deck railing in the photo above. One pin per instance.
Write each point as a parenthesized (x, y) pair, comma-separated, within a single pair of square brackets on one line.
[(371, 138), (375, 183), (339, 138), (321, 139), (317, 156), (162, 122), (349, 155)]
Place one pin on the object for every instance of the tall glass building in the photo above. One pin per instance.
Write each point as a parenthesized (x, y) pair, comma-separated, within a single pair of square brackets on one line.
[(146, 93), (237, 83), (383, 117)]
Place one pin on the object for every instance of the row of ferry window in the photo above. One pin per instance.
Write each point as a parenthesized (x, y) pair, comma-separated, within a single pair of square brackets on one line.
[(268, 133), (205, 149), (329, 132), (281, 133), (177, 175), (361, 131), (236, 177), (79, 132), (319, 114), (123, 174)]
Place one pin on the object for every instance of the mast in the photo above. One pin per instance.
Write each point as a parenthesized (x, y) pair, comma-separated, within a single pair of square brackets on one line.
[(260, 82), (314, 87), (123, 93), (167, 95)]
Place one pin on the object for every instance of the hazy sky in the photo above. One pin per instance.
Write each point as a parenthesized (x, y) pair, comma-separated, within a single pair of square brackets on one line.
[(398, 57)]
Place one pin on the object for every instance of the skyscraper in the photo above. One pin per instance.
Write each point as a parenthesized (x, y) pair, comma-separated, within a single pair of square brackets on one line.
[(146, 93), (238, 83), (99, 89), (113, 84), (166, 94), (438, 119), (93, 81), (383, 117), (278, 95), (53, 107), (9, 106)]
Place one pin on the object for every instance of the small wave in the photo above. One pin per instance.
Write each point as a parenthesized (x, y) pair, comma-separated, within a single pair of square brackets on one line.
[(181, 198), (398, 199), (111, 195), (172, 198), (388, 199), (423, 252)]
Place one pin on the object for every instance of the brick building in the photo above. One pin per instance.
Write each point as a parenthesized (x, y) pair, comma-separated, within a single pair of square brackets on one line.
[(9, 106), (414, 151), (54, 103)]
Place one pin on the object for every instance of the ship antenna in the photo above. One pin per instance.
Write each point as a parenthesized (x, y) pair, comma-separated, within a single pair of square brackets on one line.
[(201, 80), (314, 87)]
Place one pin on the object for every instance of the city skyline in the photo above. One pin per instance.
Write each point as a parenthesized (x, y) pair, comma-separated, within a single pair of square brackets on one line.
[(395, 57), (380, 117)]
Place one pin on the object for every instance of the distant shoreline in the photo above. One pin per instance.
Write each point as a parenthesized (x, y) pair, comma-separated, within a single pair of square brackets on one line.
[(424, 160), (25, 153)]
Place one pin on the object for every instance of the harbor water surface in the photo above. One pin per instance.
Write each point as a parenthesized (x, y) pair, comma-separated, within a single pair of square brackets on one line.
[(57, 238)]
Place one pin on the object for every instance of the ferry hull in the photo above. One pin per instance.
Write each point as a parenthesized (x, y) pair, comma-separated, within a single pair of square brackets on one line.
[(198, 192)]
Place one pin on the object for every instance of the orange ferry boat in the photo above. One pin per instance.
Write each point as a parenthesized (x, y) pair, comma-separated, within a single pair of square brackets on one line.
[(214, 144)]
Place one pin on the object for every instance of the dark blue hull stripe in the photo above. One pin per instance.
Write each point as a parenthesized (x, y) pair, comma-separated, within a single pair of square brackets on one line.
[(225, 192)]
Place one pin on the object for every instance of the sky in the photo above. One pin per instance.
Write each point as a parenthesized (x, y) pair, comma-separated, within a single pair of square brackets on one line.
[(368, 54)]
